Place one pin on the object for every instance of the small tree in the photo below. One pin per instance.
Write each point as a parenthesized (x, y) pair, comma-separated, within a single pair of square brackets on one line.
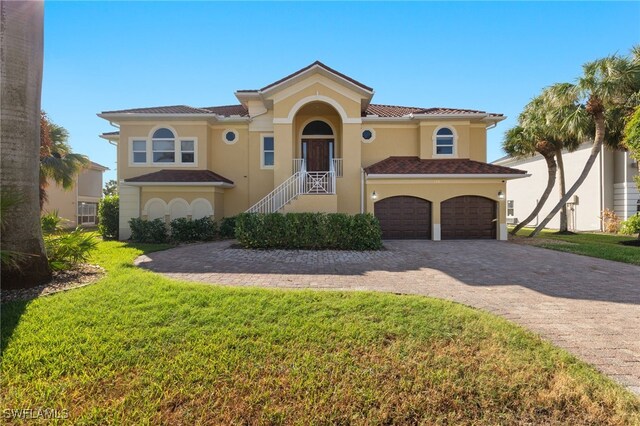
[(110, 188), (109, 217)]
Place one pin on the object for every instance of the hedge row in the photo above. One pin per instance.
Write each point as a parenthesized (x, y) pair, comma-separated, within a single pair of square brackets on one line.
[(180, 230), (315, 231)]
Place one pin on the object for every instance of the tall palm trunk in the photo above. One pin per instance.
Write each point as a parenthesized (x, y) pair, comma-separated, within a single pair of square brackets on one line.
[(563, 190), (21, 55), (551, 181), (597, 112)]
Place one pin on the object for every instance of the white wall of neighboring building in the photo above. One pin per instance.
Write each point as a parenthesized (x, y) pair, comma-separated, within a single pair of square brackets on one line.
[(600, 190)]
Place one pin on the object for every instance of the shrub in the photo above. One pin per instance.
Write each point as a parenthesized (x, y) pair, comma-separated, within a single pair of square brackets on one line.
[(51, 222), (610, 221), (185, 230), (631, 226), (148, 231), (312, 231), (108, 217), (228, 227), (66, 249)]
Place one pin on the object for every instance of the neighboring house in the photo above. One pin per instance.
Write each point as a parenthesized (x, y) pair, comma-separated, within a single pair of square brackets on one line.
[(78, 205), (609, 185), (313, 142)]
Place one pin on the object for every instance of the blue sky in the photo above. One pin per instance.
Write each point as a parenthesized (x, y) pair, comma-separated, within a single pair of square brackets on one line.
[(491, 56)]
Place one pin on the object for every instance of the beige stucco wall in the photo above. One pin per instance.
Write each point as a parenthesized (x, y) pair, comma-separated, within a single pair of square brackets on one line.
[(64, 201), (185, 129), (90, 183), (232, 162), (313, 203), (186, 193)]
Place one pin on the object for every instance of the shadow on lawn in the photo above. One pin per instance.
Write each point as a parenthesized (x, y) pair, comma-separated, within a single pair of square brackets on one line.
[(10, 314), (472, 262)]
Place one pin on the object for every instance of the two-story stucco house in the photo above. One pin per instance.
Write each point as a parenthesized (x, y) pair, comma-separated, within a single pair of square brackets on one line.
[(79, 204), (313, 141)]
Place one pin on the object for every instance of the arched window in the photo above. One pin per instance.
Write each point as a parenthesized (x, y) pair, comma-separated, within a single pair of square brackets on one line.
[(316, 128), (164, 146), (444, 141)]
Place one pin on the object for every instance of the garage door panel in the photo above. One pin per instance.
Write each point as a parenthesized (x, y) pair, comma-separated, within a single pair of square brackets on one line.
[(468, 217), (404, 217)]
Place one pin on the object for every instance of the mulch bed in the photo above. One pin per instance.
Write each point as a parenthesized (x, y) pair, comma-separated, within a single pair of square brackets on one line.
[(80, 276)]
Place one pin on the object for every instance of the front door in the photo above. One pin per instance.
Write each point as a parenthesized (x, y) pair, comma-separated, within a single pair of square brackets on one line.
[(318, 154)]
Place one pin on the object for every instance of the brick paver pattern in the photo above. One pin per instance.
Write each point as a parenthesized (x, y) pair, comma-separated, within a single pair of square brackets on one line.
[(588, 306)]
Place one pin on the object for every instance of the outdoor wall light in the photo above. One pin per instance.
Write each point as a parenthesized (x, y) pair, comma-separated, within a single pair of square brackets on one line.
[(501, 195), (374, 196)]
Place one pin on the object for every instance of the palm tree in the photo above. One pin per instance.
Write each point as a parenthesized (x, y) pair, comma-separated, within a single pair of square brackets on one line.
[(602, 93), (554, 118), (529, 137), (21, 54), (57, 162)]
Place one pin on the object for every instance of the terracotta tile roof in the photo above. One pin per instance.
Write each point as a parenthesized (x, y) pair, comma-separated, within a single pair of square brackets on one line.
[(300, 71), (172, 109), (182, 176), (116, 133), (414, 165), (401, 111), (228, 110), (224, 110)]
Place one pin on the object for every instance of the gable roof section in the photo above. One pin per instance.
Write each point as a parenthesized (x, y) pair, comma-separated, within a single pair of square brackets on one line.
[(228, 110), (412, 166), (181, 177), (305, 69)]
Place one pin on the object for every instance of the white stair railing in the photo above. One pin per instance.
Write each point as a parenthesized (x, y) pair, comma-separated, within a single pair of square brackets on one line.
[(301, 182), (283, 194)]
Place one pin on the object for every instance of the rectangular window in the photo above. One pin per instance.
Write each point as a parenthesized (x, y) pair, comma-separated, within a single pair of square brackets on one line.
[(187, 151), (164, 151), (268, 152), (510, 208), (139, 148), (87, 213), (444, 145)]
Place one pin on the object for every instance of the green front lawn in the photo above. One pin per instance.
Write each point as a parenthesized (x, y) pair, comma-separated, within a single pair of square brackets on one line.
[(137, 348), (603, 246)]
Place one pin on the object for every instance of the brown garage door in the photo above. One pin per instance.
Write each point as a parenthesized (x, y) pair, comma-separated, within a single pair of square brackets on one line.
[(403, 218), (468, 217)]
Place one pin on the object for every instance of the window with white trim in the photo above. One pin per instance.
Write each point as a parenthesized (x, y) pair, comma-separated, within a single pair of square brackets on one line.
[(163, 147), (444, 141), (87, 213), (510, 210), (187, 151), (139, 148), (268, 152)]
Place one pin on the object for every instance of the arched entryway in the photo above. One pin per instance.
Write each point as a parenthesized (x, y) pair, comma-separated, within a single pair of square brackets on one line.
[(468, 217), (318, 145), (404, 218)]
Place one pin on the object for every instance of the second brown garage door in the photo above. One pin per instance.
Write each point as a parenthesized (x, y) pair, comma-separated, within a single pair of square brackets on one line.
[(468, 217), (403, 218)]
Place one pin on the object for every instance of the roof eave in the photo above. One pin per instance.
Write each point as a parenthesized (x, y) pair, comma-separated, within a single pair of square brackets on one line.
[(116, 117)]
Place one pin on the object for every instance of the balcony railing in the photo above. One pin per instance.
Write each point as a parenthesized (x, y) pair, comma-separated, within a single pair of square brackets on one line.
[(335, 166)]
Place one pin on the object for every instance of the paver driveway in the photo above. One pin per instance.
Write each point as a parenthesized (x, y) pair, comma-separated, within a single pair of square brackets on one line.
[(588, 306)]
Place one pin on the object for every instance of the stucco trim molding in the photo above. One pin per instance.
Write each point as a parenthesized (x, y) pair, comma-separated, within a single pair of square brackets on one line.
[(317, 98)]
